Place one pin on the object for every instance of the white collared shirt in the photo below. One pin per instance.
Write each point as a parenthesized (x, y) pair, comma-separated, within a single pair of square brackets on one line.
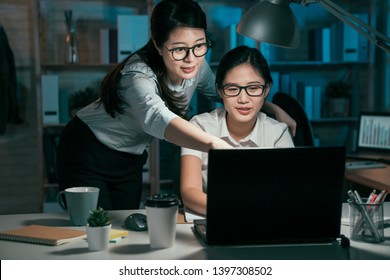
[(145, 116), (267, 133)]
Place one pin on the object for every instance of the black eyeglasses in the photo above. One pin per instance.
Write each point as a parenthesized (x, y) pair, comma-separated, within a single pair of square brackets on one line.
[(235, 90), (182, 53)]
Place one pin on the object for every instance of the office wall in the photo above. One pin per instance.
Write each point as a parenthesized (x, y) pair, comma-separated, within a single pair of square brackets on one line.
[(20, 181)]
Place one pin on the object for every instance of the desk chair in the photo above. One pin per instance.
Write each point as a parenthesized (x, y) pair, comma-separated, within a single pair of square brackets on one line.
[(304, 134)]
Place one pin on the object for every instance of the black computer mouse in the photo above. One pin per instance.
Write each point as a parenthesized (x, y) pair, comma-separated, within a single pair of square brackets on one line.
[(136, 222)]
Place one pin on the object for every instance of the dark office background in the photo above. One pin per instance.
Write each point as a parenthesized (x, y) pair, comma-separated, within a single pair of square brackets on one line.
[(36, 33)]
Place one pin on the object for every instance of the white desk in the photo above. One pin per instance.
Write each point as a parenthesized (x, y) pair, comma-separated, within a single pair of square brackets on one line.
[(187, 245)]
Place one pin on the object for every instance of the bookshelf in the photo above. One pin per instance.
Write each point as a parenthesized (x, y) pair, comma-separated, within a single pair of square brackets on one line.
[(98, 14), (90, 17), (306, 80), (329, 51)]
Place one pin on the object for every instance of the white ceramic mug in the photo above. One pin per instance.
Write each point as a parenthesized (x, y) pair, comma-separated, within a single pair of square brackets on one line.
[(78, 201), (161, 212)]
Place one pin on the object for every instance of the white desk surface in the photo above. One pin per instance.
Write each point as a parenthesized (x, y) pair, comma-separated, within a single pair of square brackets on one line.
[(187, 246)]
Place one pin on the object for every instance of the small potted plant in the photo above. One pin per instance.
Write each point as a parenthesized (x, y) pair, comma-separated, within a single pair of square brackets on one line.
[(338, 98), (98, 229)]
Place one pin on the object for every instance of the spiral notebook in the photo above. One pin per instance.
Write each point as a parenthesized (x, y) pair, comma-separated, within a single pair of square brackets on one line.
[(45, 235)]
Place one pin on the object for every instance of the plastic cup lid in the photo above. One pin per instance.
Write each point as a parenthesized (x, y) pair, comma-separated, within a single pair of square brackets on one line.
[(161, 200)]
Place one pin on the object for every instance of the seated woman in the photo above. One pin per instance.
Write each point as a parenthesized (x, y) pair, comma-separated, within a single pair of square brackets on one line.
[(243, 81)]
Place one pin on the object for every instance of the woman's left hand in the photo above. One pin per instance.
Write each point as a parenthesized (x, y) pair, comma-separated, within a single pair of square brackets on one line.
[(281, 116)]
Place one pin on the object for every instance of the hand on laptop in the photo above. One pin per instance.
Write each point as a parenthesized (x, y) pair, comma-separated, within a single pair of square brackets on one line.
[(218, 143)]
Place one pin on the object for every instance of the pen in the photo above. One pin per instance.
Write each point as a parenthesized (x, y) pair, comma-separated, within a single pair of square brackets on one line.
[(359, 199), (364, 214), (369, 199), (384, 196), (379, 197), (352, 196), (373, 199)]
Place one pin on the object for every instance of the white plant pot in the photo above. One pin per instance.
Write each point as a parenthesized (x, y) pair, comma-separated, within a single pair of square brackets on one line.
[(98, 237)]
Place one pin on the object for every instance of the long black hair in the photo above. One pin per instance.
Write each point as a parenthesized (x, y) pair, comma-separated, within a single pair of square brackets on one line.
[(166, 17), (241, 55)]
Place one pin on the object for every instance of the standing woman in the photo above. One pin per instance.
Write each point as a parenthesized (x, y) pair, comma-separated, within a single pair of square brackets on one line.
[(145, 97)]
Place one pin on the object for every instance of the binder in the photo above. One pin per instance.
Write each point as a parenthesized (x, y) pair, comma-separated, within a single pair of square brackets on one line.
[(275, 86), (230, 37), (308, 101), (336, 34), (317, 102), (50, 96), (108, 46), (320, 44), (133, 33)]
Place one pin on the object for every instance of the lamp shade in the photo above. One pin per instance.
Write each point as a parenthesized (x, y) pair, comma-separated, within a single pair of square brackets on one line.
[(271, 21)]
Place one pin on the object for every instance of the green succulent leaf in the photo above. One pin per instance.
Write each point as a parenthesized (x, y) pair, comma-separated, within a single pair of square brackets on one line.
[(99, 218)]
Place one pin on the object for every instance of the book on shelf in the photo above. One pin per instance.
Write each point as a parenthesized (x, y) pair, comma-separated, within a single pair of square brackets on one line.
[(275, 86), (336, 30), (363, 41), (317, 102), (355, 46), (320, 44), (346, 44), (50, 95), (350, 44), (268, 52), (308, 101), (133, 34), (230, 37), (310, 96), (234, 39), (284, 83), (294, 89), (45, 235), (108, 46)]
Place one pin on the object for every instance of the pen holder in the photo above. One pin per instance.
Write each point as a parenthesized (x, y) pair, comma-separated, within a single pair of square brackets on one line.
[(366, 221)]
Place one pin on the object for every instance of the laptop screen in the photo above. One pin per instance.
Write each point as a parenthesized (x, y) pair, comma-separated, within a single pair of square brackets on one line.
[(374, 131), (279, 195)]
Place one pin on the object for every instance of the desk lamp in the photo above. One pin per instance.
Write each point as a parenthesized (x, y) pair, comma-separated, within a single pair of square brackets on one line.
[(272, 21)]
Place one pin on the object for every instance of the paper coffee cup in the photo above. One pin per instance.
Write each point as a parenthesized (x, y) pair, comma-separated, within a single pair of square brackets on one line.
[(161, 211)]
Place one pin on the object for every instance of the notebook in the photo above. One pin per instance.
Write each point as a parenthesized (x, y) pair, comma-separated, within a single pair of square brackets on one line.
[(273, 196), (373, 139), (45, 235)]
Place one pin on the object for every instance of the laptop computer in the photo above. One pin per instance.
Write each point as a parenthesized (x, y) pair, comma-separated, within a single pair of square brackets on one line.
[(273, 196), (373, 139)]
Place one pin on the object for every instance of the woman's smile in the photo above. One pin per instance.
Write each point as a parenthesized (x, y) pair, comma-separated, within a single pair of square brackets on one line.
[(244, 110), (188, 70)]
